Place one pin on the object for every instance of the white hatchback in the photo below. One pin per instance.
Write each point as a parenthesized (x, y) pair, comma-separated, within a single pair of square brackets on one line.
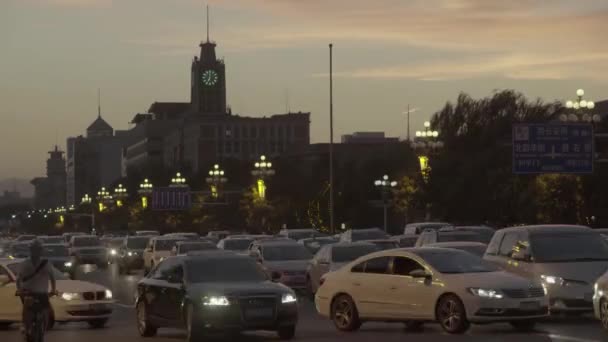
[(78, 301), (417, 285)]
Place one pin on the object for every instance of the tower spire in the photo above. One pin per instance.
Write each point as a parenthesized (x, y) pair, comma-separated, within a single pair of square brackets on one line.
[(98, 103), (207, 23)]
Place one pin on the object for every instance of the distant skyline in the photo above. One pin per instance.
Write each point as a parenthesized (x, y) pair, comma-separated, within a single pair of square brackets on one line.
[(387, 54)]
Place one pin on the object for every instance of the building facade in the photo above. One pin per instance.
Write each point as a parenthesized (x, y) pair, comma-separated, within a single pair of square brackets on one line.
[(50, 191), (367, 138), (192, 135)]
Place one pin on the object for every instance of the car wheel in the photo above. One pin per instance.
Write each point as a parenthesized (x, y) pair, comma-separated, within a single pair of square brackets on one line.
[(413, 325), (287, 332), (523, 325), (143, 324), (195, 332), (344, 313), (98, 323), (604, 313), (451, 315)]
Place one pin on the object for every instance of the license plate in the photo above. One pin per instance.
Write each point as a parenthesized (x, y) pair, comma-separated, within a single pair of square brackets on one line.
[(259, 313), (98, 307), (529, 306)]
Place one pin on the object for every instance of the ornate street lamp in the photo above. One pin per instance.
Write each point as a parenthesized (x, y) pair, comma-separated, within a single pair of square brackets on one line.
[(385, 185), (145, 190), (120, 193), (103, 198), (178, 181), (86, 199), (216, 180), (580, 110), (425, 144), (262, 171)]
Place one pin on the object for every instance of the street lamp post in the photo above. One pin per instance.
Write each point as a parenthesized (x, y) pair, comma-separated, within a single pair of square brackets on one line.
[(581, 110), (145, 189), (216, 180), (178, 181), (262, 171), (120, 193), (103, 198), (426, 143), (386, 187)]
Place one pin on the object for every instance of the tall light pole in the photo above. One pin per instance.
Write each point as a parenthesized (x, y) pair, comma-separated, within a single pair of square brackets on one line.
[(262, 171), (331, 139), (580, 110), (120, 193), (385, 185), (216, 180), (145, 190), (426, 143)]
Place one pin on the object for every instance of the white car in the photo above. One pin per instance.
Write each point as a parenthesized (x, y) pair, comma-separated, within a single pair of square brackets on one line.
[(416, 285), (78, 301), (158, 248), (600, 299)]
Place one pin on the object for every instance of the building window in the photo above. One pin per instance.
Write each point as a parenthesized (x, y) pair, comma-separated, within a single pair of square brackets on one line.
[(280, 130), (237, 148), (228, 147), (245, 131), (271, 133), (254, 132), (262, 132), (236, 132)]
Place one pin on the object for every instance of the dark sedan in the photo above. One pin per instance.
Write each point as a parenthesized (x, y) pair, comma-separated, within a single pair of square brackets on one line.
[(59, 255), (131, 253), (192, 292)]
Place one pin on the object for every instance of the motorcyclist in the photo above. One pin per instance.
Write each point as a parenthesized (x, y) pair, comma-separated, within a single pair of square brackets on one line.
[(33, 279)]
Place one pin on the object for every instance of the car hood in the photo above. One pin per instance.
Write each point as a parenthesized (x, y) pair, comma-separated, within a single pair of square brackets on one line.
[(292, 265), (491, 280), (588, 271), (78, 286), (236, 289)]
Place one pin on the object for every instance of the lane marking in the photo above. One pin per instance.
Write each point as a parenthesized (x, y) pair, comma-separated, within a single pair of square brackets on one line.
[(569, 338)]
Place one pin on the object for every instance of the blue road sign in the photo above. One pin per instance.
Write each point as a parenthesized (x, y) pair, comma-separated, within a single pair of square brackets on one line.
[(552, 148), (171, 198)]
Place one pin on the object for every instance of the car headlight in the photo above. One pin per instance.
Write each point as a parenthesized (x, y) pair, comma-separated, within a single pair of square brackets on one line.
[(215, 301), (67, 264), (486, 293), (113, 251), (288, 298), (108, 294), (552, 280), (129, 253), (70, 296)]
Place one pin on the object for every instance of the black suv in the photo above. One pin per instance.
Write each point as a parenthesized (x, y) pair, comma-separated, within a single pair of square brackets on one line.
[(193, 292)]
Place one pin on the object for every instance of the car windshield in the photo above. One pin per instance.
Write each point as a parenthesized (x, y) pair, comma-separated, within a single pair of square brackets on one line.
[(456, 261), (165, 245), (16, 267), (137, 242), (450, 237), (55, 251), (237, 244), (52, 239), (232, 270), (286, 252), (189, 247), (86, 242), (20, 250), (350, 253), (371, 234), (384, 245), (568, 247)]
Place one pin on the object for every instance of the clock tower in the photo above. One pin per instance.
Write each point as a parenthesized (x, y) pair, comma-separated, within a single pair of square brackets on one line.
[(208, 81)]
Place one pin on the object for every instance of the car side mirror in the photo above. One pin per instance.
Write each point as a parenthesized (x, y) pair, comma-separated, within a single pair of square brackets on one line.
[(4, 279), (520, 255), (420, 274)]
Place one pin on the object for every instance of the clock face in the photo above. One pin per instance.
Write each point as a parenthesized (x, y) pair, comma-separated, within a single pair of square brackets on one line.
[(210, 77)]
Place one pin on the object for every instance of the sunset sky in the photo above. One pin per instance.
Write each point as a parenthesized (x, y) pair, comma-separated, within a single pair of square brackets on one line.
[(388, 53)]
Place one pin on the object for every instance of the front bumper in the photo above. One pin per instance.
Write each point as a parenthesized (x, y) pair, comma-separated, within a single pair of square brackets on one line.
[(238, 318), (295, 281), (81, 310), (92, 259), (571, 298), (487, 310)]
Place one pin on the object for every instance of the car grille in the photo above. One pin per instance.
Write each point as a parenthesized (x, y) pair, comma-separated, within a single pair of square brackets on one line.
[(99, 295), (531, 292), (258, 309)]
